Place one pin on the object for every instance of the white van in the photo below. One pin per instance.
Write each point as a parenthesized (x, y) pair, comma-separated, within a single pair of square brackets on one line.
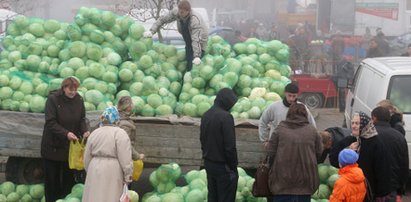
[(377, 79)]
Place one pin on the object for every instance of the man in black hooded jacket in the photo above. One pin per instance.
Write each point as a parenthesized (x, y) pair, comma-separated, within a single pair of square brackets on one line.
[(218, 145)]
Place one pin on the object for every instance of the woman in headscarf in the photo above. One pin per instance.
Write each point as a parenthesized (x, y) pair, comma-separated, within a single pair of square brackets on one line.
[(373, 160), (350, 141), (125, 107), (107, 160)]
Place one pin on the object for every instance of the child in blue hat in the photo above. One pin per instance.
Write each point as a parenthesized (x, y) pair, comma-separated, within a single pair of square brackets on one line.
[(350, 187)]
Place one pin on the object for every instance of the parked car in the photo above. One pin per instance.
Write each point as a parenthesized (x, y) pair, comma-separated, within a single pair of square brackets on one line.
[(172, 37), (227, 33)]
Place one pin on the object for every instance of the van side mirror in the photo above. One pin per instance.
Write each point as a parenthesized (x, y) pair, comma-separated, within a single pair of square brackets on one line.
[(350, 84)]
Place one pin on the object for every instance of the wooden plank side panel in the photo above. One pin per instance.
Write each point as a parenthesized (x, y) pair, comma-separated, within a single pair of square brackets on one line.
[(173, 152), (163, 143), (20, 152), (247, 134), (20, 145), (167, 130)]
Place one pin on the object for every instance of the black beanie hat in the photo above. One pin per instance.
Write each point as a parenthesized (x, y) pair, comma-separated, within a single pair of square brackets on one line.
[(291, 88)]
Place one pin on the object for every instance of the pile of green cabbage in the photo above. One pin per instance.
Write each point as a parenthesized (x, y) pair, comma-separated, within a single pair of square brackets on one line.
[(195, 189), (77, 194), (328, 176), (258, 73), (21, 193), (111, 58)]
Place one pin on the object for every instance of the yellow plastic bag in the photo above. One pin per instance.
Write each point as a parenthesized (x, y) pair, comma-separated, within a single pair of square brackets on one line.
[(138, 169), (76, 154)]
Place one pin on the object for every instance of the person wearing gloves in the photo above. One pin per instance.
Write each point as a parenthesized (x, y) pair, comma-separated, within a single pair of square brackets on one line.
[(218, 146), (191, 26), (277, 112), (107, 160), (350, 187)]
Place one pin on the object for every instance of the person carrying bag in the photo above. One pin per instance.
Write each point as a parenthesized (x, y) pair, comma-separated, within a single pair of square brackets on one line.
[(76, 154), (260, 186)]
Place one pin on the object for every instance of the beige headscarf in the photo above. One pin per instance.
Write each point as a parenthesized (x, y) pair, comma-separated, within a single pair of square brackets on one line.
[(369, 131)]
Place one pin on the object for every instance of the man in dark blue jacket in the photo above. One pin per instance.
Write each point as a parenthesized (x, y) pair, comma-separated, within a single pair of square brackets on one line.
[(397, 148), (218, 145)]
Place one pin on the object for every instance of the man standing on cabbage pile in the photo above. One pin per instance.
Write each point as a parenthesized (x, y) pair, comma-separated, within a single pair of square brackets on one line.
[(218, 145), (191, 26)]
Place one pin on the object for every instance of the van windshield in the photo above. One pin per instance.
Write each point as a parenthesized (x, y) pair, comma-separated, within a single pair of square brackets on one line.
[(399, 92)]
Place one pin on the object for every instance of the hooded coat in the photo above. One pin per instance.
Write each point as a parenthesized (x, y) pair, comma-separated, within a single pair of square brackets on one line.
[(217, 131), (294, 148), (350, 187)]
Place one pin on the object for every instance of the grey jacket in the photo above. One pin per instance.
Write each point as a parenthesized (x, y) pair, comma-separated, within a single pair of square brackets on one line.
[(198, 29), (272, 116)]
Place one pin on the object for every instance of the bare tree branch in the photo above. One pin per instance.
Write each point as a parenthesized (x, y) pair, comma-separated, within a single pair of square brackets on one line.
[(18, 6), (144, 10), (150, 10)]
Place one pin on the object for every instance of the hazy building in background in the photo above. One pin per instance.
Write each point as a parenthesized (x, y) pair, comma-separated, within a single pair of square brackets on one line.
[(63, 10), (263, 13)]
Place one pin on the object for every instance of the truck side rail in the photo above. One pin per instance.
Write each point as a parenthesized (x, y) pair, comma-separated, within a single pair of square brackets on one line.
[(161, 139)]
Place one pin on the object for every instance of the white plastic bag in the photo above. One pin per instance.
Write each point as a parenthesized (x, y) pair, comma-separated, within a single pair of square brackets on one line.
[(124, 196)]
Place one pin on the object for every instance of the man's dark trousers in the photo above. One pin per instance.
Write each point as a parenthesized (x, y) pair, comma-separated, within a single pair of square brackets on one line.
[(222, 182)]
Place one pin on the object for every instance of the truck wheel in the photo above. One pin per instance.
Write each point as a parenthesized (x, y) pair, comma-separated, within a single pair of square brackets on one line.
[(312, 100), (22, 170)]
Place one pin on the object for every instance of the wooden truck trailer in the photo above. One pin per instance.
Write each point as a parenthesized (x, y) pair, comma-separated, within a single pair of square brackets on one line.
[(162, 140)]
